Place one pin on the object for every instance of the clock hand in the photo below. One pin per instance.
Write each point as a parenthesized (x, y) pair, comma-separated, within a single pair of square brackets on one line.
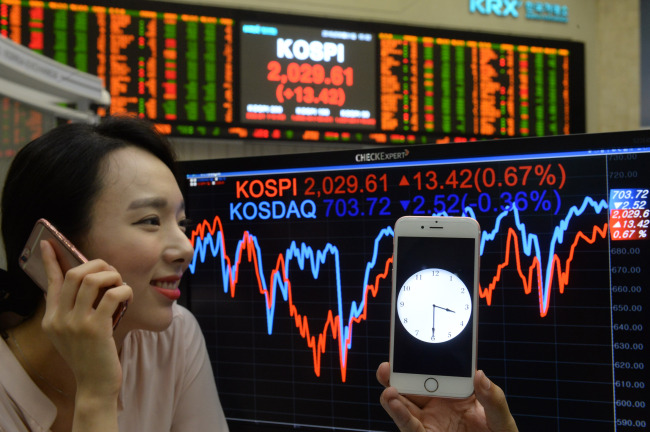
[(433, 328), (443, 308)]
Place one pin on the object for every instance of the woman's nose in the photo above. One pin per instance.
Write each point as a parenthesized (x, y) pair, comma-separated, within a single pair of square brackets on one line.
[(180, 248)]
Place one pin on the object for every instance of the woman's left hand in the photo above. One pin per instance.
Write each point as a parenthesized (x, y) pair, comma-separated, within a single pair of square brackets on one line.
[(80, 327)]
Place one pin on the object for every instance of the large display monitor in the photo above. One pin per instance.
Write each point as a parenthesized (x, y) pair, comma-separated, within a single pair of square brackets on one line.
[(290, 278), (204, 71)]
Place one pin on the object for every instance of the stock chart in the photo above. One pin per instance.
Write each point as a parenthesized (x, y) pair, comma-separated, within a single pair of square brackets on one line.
[(292, 268)]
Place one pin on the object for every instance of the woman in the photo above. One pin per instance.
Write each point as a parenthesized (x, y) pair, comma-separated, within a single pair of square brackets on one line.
[(111, 190)]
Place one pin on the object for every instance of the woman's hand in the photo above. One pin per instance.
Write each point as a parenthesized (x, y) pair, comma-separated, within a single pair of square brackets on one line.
[(80, 329), (486, 410)]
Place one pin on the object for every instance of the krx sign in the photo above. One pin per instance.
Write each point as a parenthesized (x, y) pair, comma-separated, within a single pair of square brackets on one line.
[(534, 10), (496, 7)]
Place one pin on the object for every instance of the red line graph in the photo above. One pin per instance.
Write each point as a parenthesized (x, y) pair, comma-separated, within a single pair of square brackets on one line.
[(535, 270), (317, 341)]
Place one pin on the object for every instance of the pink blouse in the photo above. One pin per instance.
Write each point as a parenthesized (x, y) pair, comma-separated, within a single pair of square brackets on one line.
[(168, 384)]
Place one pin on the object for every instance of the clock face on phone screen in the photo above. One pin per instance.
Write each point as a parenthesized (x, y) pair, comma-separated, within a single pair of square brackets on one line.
[(434, 301), (434, 305)]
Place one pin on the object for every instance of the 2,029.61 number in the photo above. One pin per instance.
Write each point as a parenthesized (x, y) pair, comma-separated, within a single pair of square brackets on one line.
[(339, 185)]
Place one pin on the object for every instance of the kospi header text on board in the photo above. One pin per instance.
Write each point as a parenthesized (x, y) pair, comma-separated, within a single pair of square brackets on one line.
[(307, 76)]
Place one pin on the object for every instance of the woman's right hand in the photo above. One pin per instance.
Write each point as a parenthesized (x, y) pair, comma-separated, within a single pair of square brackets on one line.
[(485, 411), (81, 331)]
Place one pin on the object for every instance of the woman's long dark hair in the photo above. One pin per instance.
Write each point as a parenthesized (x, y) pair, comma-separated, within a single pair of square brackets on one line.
[(57, 177)]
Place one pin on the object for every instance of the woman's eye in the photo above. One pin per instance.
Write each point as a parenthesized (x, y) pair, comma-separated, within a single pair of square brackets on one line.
[(154, 221)]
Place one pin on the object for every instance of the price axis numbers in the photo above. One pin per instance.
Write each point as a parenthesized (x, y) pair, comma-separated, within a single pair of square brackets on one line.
[(629, 220), (629, 322)]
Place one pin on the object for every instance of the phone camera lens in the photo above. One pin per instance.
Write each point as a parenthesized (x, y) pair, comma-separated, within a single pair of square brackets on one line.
[(25, 255), (422, 227)]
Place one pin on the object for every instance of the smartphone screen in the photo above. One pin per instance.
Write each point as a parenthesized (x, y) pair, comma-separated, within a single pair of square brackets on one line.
[(433, 335)]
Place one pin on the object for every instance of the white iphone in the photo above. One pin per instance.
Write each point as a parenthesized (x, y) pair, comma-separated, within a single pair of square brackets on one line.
[(434, 316)]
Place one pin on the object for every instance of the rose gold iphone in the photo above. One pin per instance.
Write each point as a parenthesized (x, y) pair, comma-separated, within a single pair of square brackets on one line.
[(31, 260)]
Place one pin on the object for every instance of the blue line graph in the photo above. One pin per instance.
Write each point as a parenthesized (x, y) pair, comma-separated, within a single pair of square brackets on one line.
[(209, 237)]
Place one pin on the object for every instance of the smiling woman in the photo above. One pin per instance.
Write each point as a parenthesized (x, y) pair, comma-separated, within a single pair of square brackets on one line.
[(111, 190)]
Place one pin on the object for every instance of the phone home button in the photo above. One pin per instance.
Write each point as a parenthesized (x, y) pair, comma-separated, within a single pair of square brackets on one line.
[(431, 385)]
